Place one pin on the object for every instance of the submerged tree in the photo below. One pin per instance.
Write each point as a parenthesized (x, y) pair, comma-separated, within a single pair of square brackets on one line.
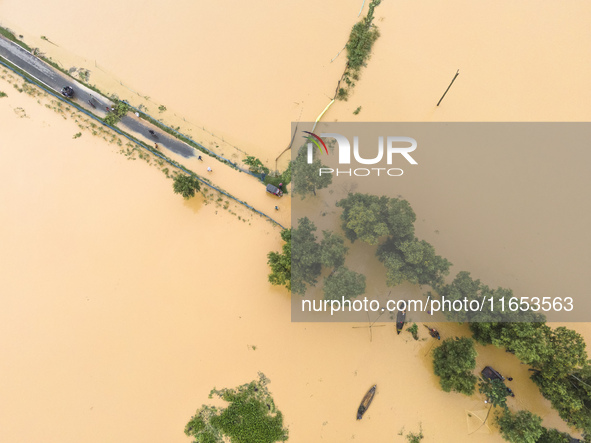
[(413, 261), (369, 218), (305, 256), (186, 185), (344, 283), (332, 250), (280, 263), (454, 362), (495, 391), (521, 427), (306, 177), (250, 416)]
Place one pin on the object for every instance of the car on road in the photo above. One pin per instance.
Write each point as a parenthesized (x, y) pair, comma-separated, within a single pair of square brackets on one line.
[(68, 91), (274, 190)]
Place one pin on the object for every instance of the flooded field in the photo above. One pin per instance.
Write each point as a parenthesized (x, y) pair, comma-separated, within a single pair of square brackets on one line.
[(123, 305)]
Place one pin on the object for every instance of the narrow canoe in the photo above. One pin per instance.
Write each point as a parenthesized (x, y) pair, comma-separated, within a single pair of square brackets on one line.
[(400, 319), (366, 402)]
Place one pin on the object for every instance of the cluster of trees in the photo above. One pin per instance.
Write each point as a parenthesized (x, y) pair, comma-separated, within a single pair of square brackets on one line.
[(525, 427), (370, 219), (251, 416), (559, 362), (300, 264)]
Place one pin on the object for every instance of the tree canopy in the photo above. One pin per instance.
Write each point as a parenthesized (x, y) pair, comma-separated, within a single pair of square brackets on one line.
[(251, 416), (454, 362), (280, 263), (306, 178), (186, 185), (305, 256), (521, 427), (495, 391), (332, 250), (413, 261), (344, 283), (369, 218)]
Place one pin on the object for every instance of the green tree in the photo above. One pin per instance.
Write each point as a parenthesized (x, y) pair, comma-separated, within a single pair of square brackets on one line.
[(305, 256), (570, 396), (306, 177), (553, 436), (495, 391), (186, 185), (454, 362), (255, 165), (369, 218), (521, 427), (332, 250), (250, 416), (280, 263), (413, 261), (343, 284)]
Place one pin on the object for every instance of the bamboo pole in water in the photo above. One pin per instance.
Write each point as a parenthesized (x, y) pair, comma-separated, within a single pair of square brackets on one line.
[(322, 113)]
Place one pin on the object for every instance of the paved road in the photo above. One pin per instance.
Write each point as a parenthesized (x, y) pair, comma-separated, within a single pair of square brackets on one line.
[(87, 98), (245, 187)]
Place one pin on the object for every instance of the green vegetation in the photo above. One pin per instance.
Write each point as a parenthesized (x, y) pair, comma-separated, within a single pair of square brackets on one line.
[(521, 427), (306, 179), (255, 165), (280, 263), (186, 185), (3, 94), (414, 330), (454, 362), (411, 437), (77, 135), (343, 283), (553, 436), (161, 108), (361, 40), (495, 392), (357, 111), (10, 36), (251, 416), (118, 111), (305, 253), (369, 218)]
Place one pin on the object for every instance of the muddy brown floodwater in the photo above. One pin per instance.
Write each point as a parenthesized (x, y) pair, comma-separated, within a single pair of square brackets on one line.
[(123, 305)]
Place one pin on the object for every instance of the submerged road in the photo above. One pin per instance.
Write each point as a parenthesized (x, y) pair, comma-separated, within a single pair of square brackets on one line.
[(236, 183)]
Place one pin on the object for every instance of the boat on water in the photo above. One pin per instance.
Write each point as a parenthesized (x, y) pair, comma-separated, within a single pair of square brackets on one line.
[(433, 332), (366, 402), (400, 319)]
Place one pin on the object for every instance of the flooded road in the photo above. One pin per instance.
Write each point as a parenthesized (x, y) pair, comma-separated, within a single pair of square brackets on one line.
[(120, 313)]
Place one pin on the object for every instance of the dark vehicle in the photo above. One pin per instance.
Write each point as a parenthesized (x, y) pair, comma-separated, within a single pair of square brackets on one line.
[(68, 91), (433, 332), (400, 320), (491, 374), (92, 102), (366, 402), (274, 190)]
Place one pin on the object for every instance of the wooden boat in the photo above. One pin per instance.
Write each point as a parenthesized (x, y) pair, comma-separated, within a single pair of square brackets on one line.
[(492, 374), (400, 319), (433, 332), (366, 402)]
